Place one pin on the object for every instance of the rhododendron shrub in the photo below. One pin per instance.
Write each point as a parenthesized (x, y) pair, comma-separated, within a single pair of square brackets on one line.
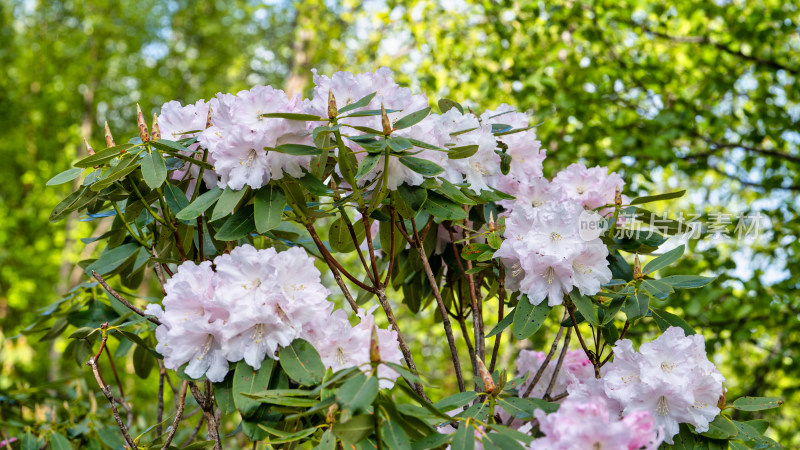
[(255, 214)]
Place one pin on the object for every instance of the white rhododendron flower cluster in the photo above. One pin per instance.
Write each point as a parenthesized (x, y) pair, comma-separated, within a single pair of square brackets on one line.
[(248, 305), (670, 377), (240, 139)]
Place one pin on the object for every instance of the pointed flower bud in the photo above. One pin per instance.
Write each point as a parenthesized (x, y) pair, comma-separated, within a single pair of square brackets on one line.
[(330, 414), (143, 133), (109, 139), (618, 197), (387, 124), (637, 268), (156, 131), (374, 348), (491, 224), (332, 110), (89, 148), (486, 377), (208, 118)]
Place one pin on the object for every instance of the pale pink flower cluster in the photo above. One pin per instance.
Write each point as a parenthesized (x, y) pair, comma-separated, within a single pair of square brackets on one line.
[(592, 187), (547, 257), (248, 305), (589, 423), (178, 122), (671, 377)]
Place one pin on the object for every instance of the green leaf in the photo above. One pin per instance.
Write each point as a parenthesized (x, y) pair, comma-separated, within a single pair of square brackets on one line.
[(439, 206), (354, 430), (82, 333), (367, 164), (756, 403), (664, 260), (504, 442), (721, 428), (103, 156), (585, 306), (63, 177), (285, 436), (464, 438), (111, 259), (737, 446), (327, 441), (200, 205), (227, 202), (29, 442), (154, 169), (363, 101), (637, 305), (447, 104), (655, 198), (751, 436), (472, 252), (313, 185), (452, 192), (414, 197), (665, 320), (686, 281), (296, 149), (339, 235), (455, 401), (421, 166), (528, 318), (120, 171), (435, 440), (223, 393), (248, 381), (502, 325), (657, 288), (142, 361), (270, 202), (358, 393), (238, 225), (293, 116), (394, 436), (175, 198), (59, 442), (412, 119), (302, 363), (464, 151)]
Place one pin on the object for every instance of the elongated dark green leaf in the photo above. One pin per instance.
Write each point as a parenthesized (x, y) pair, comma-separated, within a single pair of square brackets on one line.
[(435, 440), (585, 306), (200, 204), (414, 197), (637, 305), (142, 362), (452, 192), (358, 393), (65, 176), (455, 401), (103, 156), (367, 164), (111, 259), (296, 149), (446, 104), (59, 442), (756, 403), (665, 320), (293, 116), (154, 169), (655, 198), (421, 166), (664, 260), (687, 281), (313, 185), (270, 202), (443, 208), (657, 288), (464, 438), (227, 202), (285, 437), (302, 363), (394, 436), (29, 442), (340, 238), (412, 119), (249, 381), (502, 441), (354, 430), (238, 225), (176, 198), (120, 171), (223, 394), (327, 441), (464, 151), (755, 439), (528, 318), (721, 428), (363, 101), (502, 325)]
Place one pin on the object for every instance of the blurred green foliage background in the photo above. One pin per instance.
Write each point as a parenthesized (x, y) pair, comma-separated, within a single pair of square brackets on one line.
[(674, 95)]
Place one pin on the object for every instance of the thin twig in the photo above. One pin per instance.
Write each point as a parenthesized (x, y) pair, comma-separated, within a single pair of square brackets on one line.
[(332, 261), (336, 275), (160, 411), (448, 328), (391, 250), (559, 363), (545, 363), (178, 416), (111, 400), (122, 300), (502, 298), (368, 232)]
